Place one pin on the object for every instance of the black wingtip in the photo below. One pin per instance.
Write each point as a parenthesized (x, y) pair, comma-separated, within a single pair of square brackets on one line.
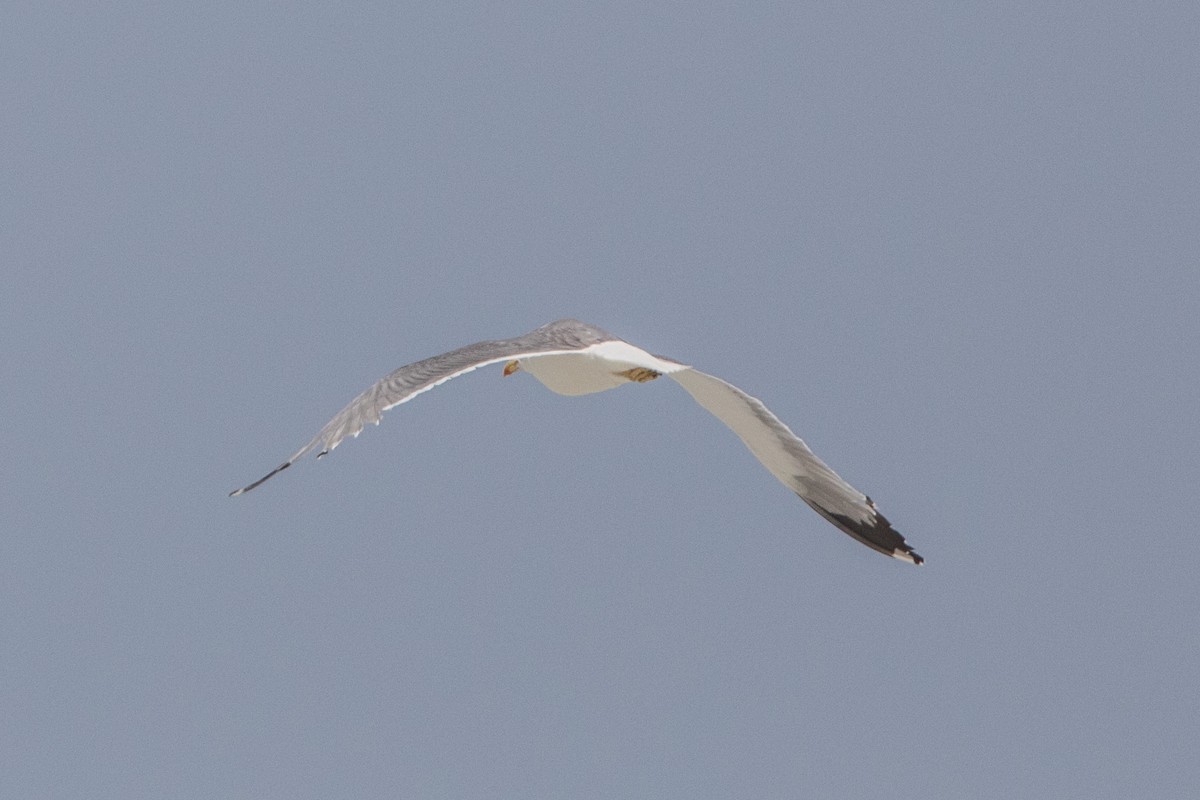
[(876, 533), (261, 480)]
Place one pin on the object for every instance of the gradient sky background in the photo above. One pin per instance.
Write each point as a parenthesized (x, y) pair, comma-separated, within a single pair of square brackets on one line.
[(956, 247)]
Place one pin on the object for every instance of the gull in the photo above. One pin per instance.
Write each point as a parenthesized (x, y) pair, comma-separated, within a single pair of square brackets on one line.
[(574, 358)]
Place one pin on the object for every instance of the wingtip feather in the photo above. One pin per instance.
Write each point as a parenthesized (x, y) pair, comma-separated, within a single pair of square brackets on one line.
[(261, 480), (876, 533)]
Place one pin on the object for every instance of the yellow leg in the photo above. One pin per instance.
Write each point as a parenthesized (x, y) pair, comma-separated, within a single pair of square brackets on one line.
[(639, 374)]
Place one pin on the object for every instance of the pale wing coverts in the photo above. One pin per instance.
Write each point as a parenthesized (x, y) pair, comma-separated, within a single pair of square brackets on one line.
[(571, 358)]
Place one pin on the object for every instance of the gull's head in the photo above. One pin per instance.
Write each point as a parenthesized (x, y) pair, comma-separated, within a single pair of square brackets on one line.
[(511, 367)]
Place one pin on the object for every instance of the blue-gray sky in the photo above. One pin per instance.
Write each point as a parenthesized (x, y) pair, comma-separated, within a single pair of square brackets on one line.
[(954, 246)]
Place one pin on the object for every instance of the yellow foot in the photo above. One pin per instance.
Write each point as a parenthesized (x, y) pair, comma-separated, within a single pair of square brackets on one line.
[(639, 374)]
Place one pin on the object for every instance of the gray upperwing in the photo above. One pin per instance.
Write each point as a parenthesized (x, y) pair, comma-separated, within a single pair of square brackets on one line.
[(790, 460), (411, 380)]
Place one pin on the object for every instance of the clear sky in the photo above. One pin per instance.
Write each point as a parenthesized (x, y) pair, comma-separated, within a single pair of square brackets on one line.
[(954, 246)]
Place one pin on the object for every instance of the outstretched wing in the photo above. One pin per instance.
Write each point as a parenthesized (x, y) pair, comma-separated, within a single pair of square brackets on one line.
[(798, 468), (406, 383)]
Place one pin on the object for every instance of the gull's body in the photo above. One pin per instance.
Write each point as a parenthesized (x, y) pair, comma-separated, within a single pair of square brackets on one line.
[(573, 358)]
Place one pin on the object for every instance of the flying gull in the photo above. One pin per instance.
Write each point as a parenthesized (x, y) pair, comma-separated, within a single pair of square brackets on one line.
[(571, 358)]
